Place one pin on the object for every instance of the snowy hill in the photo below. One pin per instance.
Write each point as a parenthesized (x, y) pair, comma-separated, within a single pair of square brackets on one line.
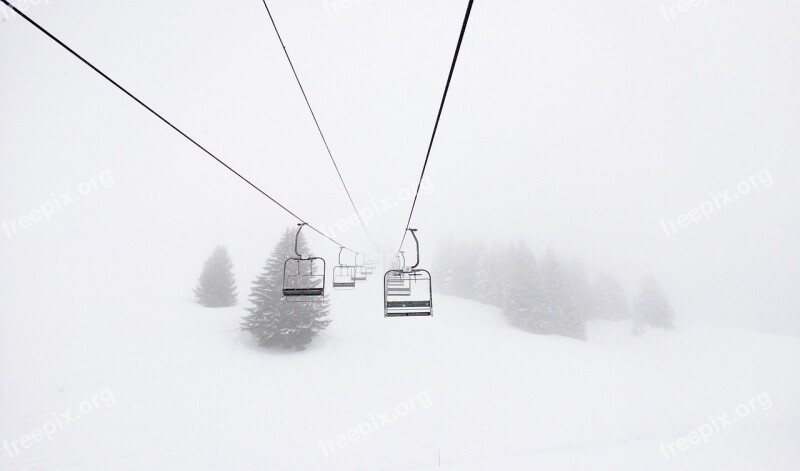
[(177, 386)]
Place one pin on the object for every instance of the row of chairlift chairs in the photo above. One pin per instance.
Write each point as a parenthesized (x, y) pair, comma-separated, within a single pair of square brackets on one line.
[(407, 291)]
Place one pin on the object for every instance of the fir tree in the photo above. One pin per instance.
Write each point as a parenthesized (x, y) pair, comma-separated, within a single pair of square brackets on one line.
[(465, 266), (558, 307), (651, 306), (608, 299), (217, 286), (488, 278), (444, 266), (274, 321), (520, 289), (579, 290)]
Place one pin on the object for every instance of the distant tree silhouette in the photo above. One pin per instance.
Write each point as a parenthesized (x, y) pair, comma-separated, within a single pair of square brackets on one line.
[(651, 306), (559, 301), (608, 299), (217, 285)]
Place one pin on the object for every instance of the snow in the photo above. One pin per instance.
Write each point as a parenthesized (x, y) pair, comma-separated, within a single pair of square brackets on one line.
[(462, 389), (576, 126)]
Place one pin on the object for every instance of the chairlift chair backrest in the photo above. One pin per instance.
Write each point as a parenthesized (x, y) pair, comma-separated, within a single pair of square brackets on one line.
[(408, 291), (303, 276), (360, 271), (343, 275), (413, 299)]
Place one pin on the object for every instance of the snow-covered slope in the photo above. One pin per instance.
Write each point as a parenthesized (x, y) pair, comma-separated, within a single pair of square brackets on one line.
[(177, 386)]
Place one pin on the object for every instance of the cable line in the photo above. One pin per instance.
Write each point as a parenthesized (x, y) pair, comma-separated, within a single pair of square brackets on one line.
[(438, 117), (319, 128), (175, 128)]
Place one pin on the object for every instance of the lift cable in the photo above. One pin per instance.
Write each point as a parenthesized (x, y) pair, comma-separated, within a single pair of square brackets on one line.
[(319, 128), (175, 128), (438, 117)]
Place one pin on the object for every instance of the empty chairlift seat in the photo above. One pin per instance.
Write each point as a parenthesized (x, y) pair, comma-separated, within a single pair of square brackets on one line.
[(360, 273), (344, 277), (303, 276), (408, 291), (369, 265)]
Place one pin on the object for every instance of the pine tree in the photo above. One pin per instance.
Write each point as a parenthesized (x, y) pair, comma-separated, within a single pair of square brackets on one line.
[(651, 306), (466, 264), (274, 321), (579, 290), (444, 266), (520, 289), (608, 299), (217, 286), (558, 307), (488, 278)]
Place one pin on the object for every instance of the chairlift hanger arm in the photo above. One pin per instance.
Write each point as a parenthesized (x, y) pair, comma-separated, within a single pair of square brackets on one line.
[(297, 239), (414, 234)]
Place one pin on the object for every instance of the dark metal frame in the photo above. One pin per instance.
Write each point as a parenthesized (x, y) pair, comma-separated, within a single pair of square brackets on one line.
[(406, 276), (341, 268), (308, 294), (361, 272)]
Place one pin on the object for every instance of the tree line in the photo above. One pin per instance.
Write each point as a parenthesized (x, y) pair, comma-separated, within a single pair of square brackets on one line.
[(544, 295)]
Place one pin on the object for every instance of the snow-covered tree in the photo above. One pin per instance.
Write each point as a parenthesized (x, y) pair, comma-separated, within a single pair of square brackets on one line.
[(520, 292), (466, 267), (217, 286), (444, 266), (274, 321), (608, 299), (489, 278), (544, 299), (558, 307), (651, 306), (578, 289)]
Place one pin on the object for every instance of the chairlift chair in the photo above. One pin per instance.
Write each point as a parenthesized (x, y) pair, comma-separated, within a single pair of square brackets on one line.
[(369, 260), (369, 266), (408, 291), (360, 271), (343, 275), (396, 282), (399, 261), (303, 276)]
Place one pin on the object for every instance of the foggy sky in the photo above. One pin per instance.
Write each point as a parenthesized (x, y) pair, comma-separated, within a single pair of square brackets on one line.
[(573, 125)]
